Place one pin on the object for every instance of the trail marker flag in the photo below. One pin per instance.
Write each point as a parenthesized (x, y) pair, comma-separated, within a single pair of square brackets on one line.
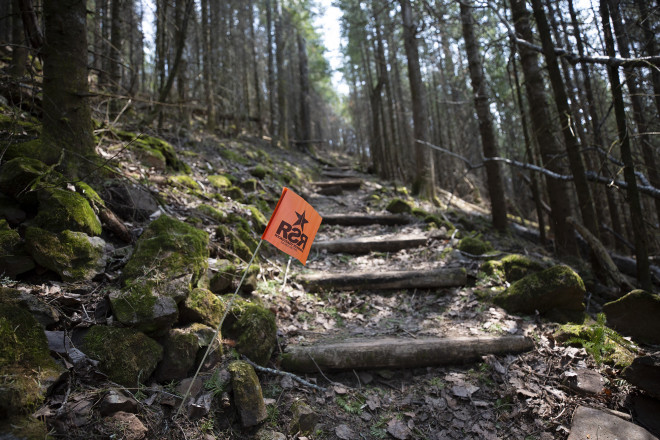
[(293, 225)]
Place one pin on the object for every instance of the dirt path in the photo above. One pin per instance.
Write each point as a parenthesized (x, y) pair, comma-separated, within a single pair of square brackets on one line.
[(517, 397)]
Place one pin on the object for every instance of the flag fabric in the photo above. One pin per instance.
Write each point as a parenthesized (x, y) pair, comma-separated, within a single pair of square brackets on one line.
[(293, 225)]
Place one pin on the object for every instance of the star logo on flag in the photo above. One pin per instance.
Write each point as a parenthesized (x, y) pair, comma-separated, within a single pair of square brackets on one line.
[(301, 221)]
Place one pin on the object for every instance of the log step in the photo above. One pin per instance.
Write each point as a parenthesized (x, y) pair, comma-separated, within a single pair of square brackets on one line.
[(347, 184), (376, 243), (398, 352), (404, 279), (359, 219)]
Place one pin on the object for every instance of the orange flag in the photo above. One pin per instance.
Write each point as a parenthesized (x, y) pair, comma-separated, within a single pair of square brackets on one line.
[(293, 225)]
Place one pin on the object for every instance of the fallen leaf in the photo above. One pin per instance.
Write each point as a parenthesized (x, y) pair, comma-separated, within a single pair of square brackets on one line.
[(344, 432), (464, 391), (398, 429)]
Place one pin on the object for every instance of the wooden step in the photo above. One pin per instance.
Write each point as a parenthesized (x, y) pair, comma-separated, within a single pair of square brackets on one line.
[(398, 352), (347, 184), (338, 174), (376, 243), (403, 279), (359, 219)]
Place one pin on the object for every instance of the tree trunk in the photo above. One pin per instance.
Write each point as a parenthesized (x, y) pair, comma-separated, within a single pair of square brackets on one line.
[(424, 183), (397, 353), (636, 214), (255, 69), (544, 132), (115, 53), (305, 117), (20, 52), (271, 75), (282, 101), (481, 103), (206, 59), (67, 121)]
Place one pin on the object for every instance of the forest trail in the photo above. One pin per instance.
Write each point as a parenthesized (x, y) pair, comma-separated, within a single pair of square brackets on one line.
[(355, 335)]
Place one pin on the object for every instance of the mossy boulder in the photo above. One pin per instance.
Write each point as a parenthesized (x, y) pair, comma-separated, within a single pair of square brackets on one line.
[(26, 368), (249, 185), (185, 182), (511, 268), (556, 291), (150, 157), (179, 352), (213, 213), (251, 279), (11, 211), (223, 279), (399, 206), (13, 258), (220, 181), (636, 314), (248, 397), (127, 356), (201, 306), (61, 209), (303, 418), (153, 144), (42, 312), (146, 305), (169, 249), (204, 335), (234, 193), (18, 175), (474, 246), (258, 218), (260, 171), (253, 328), (74, 256), (233, 243)]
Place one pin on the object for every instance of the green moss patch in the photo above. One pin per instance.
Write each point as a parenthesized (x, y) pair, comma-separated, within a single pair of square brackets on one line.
[(399, 206), (60, 210), (213, 213), (248, 396), (223, 280), (73, 255), (179, 352), (169, 248), (636, 314), (254, 329), (151, 144), (20, 175), (259, 220), (140, 305), (260, 171), (231, 241), (201, 306), (185, 182), (235, 193), (126, 355), (558, 289), (220, 181), (511, 268), (474, 245)]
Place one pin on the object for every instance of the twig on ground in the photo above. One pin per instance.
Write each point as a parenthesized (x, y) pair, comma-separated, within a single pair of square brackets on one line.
[(282, 373)]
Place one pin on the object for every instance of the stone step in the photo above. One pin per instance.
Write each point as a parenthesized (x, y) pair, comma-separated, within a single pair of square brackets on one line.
[(345, 184), (403, 279), (596, 424), (376, 243), (359, 219)]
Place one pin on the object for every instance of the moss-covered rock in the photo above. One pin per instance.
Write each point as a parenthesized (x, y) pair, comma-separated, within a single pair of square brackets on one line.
[(248, 397), (231, 241), (201, 306), (251, 279), (555, 290), (185, 182), (223, 280), (204, 335), (150, 157), (303, 418), (74, 256), (169, 249), (235, 193), (249, 185), (179, 352), (474, 245), (60, 210), (126, 355), (19, 175), (26, 368), (213, 213), (253, 328), (11, 211), (32, 149), (399, 206), (42, 312), (511, 268), (258, 218), (141, 305), (260, 171), (636, 314), (153, 144), (13, 258), (220, 181)]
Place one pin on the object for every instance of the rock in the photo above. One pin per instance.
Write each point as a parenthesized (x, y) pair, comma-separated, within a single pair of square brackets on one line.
[(646, 412), (126, 426), (195, 389), (126, 355), (222, 281), (345, 433), (130, 202), (260, 171), (61, 209), (199, 407), (204, 335), (644, 373), (556, 289), (398, 206), (233, 242), (249, 185), (74, 256), (18, 175), (303, 419), (13, 258), (180, 349), (219, 181), (398, 429), (141, 305), (636, 315), (26, 369), (169, 249), (115, 401), (590, 423), (269, 434), (234, 193), (584, 381), (42, 312), (253, 328), (201, 306), (512, 267), (248, 397), (474, 245), (11, 211)]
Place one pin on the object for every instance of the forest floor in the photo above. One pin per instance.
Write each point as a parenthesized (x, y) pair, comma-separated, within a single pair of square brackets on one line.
[(523, 396)]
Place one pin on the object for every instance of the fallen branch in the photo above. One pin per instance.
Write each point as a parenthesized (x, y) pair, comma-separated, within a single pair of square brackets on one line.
[(282, 373), (399, 352)]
